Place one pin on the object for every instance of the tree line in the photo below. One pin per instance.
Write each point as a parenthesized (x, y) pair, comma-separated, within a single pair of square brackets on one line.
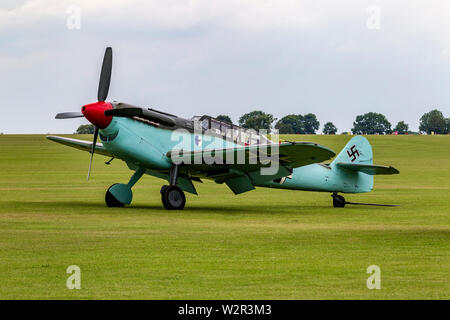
[(368, 123)]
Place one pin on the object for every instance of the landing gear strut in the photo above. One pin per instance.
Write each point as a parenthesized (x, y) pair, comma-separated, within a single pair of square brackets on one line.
[(338, 201), (173, 197)]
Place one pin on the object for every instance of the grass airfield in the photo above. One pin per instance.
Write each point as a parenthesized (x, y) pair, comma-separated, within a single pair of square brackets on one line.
[(264, 244)]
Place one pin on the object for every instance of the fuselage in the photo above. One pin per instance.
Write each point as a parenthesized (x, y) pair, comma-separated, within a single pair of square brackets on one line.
[(323, 177), (147, 146)]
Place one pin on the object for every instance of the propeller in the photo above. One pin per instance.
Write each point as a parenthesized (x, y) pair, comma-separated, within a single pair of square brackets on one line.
[(95, 112), (103, 88)]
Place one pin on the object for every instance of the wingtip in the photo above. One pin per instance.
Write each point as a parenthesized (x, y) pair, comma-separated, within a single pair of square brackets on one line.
[(395, 171)]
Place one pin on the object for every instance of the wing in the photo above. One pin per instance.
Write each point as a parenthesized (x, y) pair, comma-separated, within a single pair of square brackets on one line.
[(289, 154), (81, 145), (243, 167), (371, 169)]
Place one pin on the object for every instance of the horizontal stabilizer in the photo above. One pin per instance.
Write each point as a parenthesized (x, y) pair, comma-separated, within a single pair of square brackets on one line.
[(371, 169)]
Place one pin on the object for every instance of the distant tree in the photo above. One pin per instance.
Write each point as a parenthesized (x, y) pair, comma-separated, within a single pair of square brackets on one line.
[(291, 124), (284, 128), (401, 127), (298, 124), (433, 121), (371, 123), (329, 128), (310, 123), (224, 118), (256, 120), (85, 129), (447, 122)]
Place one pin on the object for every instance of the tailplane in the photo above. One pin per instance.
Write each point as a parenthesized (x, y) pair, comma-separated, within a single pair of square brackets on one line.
[(357, 156), (355, 168)]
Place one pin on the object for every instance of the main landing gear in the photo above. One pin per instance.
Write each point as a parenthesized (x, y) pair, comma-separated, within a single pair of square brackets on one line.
[(338, 200), (173, 197)]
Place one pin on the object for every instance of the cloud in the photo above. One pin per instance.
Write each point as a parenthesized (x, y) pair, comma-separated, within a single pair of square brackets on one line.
[(171, 14), (193, 57)]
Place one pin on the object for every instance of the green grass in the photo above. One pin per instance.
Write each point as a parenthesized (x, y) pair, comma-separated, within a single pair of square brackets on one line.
[(264, 244)]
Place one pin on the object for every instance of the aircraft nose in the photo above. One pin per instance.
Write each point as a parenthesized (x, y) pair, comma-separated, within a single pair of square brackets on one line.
[(95, 113)]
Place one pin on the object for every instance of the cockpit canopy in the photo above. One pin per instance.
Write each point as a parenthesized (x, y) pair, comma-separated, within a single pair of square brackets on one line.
[(229, 131)]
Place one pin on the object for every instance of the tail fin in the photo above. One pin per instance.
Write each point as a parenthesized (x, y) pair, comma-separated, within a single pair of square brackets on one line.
[(357, 151), (354, 166)]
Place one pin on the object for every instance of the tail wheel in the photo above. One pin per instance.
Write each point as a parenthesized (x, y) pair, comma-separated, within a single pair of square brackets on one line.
[(111, 201), (173, 198), (338, 201)]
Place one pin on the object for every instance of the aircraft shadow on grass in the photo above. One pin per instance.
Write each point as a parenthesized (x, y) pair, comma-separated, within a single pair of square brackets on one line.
[(97, 208)]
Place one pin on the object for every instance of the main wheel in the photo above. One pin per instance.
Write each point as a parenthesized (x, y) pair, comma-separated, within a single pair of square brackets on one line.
[(111, 201), (338, 201), (173, 198), (163, 191)]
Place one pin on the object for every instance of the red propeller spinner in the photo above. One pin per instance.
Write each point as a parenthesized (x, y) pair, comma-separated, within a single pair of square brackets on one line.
[(95, 113)]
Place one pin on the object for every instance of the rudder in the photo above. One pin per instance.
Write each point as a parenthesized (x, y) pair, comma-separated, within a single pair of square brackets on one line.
[(358, 151)]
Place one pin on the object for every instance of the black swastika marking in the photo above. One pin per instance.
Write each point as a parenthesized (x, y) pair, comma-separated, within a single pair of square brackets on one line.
[(353, 154)]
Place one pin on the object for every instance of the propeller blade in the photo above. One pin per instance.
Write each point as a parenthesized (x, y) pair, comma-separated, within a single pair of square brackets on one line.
[(94, 143), (105, 75), (69, 115)]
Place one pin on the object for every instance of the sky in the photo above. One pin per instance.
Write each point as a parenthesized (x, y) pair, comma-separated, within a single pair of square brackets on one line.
[(336, 59)]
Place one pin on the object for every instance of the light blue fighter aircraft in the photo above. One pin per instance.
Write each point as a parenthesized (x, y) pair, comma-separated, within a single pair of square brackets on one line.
[(144, 138)]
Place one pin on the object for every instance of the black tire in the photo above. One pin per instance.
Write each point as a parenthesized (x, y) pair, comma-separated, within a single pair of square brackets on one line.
[(111, 201), (163, 189), (173, 198), (338, 201)]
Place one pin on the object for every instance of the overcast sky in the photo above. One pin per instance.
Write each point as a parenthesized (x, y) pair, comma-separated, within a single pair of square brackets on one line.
[(336, 59)]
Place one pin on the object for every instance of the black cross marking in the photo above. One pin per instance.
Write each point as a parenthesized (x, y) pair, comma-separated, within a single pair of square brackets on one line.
[(354, 153)]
